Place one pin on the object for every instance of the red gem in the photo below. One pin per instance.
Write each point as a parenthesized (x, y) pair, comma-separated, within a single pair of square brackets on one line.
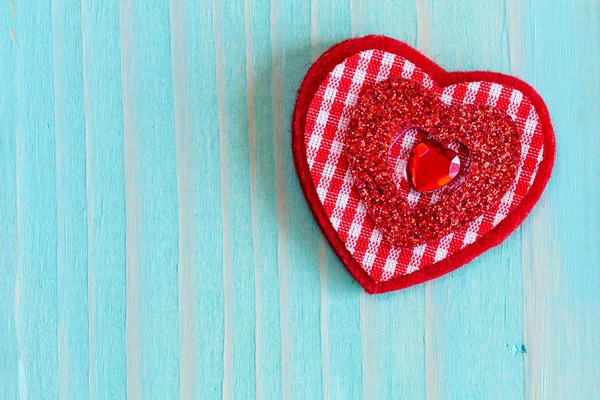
[(432, 166)]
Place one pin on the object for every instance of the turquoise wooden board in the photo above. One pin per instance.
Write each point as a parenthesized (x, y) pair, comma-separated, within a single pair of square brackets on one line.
[(561, 254), (71, 203), (9, 352), (155, 243), (152, 328), (105, 198), (36, 284)]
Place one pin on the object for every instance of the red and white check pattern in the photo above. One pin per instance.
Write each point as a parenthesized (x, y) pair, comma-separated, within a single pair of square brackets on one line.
[(326, 127)]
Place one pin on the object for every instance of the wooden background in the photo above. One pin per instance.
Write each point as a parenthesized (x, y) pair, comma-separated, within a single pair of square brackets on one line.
[(154, 241)]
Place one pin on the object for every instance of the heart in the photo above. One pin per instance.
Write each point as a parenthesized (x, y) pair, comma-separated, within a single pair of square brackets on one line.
[(342, 148), (397, 160), (431, 166), (396, 104)]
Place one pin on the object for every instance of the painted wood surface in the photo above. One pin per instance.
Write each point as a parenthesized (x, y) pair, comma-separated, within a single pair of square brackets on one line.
[(154, 241)]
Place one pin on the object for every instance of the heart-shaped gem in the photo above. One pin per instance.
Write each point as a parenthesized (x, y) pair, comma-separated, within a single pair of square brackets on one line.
[(364, 215), (397, 160), (431, 166)]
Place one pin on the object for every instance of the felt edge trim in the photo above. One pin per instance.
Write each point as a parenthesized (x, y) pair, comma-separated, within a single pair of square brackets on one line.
[(313, 79)]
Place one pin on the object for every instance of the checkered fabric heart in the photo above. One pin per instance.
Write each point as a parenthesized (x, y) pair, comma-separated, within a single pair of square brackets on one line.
[(321, 148)]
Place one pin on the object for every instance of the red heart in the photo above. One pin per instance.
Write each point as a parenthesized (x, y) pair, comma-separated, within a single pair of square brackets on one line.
[(397, 161), (320, 124), (395, 104), (431, 166)]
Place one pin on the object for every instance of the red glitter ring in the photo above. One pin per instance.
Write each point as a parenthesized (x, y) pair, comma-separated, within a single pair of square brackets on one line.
[(319, 72)]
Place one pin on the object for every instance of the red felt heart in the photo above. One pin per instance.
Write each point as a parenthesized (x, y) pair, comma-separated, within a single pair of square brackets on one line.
[(432, 166), (322, 117)]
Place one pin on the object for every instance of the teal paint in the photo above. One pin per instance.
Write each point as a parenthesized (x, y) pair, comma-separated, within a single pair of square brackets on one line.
[(9, 354), (561, 239), (151, 199), (299, 237), (133, 327), (105, 198), (268, 351), (114, 232), (282, 208), (396, 19), (393, 333), (36, 286), (188, 324), (239, 365), (463, 339), (71, 202), (199, 187)]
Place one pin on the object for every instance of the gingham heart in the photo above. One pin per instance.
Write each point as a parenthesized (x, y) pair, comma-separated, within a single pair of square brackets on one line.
[(326, 101)]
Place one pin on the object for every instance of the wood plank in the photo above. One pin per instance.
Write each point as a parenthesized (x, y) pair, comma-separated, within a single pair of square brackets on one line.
[(475, 313), (201, 304), (188, 323), (105, 198), (259, 70), (239, 370), (71, 202), (561, 254), (36, 306), (299, 238), (9, 356), (151, 213), (151, 200)]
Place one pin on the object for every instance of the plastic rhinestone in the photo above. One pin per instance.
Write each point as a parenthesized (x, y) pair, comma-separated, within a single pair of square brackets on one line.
[(431, 166)]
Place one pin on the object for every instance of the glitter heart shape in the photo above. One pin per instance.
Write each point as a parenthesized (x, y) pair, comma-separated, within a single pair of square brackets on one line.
[(397, 104), (432, 166), (322, 116)]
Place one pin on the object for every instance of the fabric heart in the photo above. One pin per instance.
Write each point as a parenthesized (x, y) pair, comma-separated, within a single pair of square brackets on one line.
[(351, 162)]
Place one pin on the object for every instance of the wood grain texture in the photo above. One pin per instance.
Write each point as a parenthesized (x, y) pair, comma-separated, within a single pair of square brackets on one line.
[(9, 350), (155, 243), (71, 202), (36, 281), (560, 242), (201, 305), (151, 200), (259, 70), (239, 291), (105, 197), (299, 237)]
